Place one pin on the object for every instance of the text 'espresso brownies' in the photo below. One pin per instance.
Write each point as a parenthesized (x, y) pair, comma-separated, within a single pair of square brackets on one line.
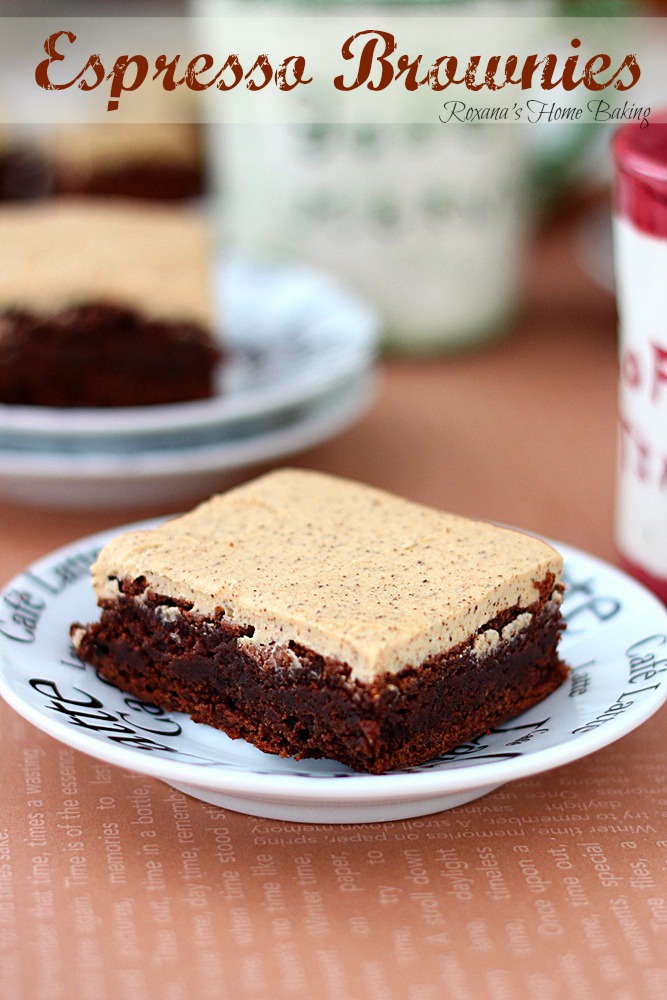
[(318, 617)]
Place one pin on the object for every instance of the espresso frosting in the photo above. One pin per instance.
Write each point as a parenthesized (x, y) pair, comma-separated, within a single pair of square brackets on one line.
[(349, 571), (153, 259)]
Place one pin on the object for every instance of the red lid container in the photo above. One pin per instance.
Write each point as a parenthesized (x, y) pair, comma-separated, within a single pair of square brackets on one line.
[(640, 155), (640, 201)]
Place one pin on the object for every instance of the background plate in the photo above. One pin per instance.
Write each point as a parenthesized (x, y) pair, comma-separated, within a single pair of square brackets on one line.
[(616, 644), (172, 477), (292, 335)]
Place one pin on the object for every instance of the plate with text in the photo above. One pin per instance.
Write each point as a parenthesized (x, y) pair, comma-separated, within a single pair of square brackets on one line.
[(615, 644)]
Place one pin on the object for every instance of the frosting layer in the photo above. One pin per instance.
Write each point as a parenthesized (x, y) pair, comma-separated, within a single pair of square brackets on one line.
[(152, 259), (347, 570)]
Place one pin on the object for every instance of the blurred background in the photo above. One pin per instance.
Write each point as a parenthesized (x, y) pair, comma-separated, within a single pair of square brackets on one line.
[(431, 225), (414, 305)]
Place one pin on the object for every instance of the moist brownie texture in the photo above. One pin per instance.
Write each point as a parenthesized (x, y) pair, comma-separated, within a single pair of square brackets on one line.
[(317, 617), (104, 304)]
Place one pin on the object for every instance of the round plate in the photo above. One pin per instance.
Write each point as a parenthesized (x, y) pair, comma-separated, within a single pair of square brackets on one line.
[(175, 476), (616, 644), (292, 334)]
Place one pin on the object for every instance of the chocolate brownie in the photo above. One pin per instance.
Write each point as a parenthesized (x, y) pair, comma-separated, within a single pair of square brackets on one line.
[(153, 161), (318, 617), (104, 304)]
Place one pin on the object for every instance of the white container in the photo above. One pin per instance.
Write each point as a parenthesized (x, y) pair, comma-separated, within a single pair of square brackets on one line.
[(640, 238), (428, 222)]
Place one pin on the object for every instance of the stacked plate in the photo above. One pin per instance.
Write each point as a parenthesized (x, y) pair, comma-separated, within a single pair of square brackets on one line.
[(299, 369)]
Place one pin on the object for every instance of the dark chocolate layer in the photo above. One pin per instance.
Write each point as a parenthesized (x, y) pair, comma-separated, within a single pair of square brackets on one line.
[(103, 355), (294, 702), (147, 181)]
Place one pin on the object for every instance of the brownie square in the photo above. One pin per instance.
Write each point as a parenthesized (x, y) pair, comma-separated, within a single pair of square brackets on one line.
[(318, 617), (154, 161), (104, 304)]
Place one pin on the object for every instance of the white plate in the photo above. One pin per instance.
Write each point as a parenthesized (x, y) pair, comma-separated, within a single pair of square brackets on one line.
[(292, 333), (616, 643), (172, 477)]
